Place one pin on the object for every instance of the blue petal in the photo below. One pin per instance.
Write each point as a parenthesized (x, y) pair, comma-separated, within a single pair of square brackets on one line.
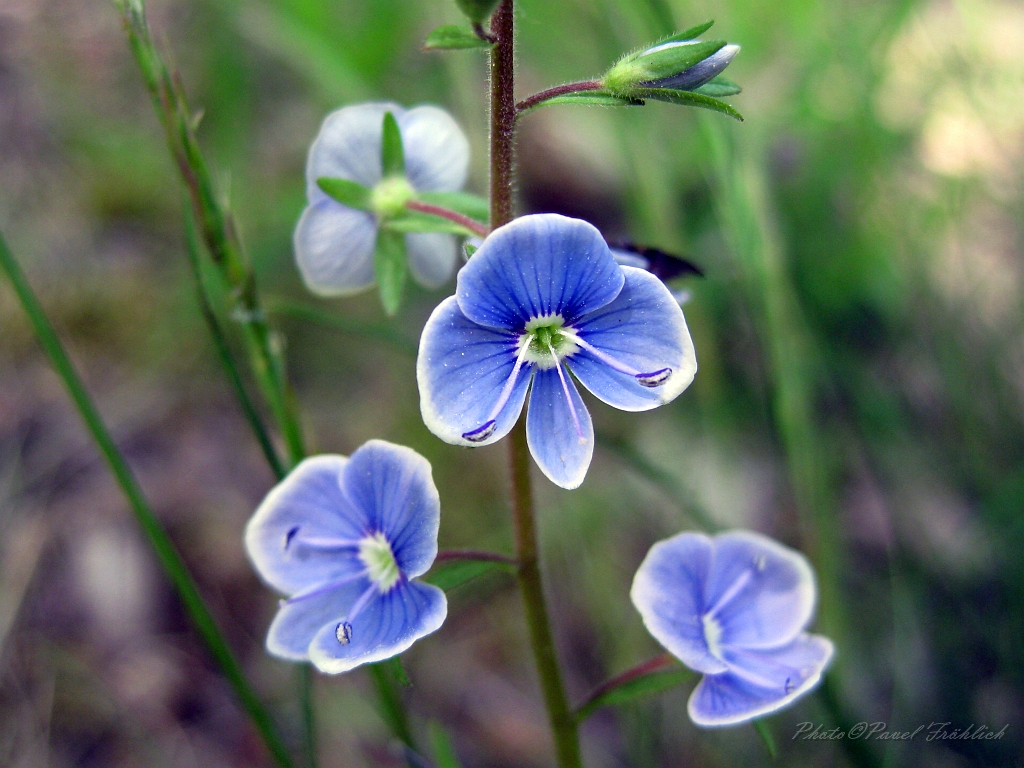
[(309, 503), (300, 619), (644, 329), (334, 248), (462, 369), (384, 628), (762, 593), (431, 257), (349, 146), (436, 149), (538, 265), (668, 591), (393, 485), (551, 432), (759, 683)]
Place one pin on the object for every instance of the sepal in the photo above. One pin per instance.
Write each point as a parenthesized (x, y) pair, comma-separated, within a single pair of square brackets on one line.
[(346, 192), (391, 268)]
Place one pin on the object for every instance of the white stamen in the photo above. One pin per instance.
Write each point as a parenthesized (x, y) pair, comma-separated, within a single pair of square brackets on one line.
[(568, 397), (327, 587), (731, 592), (482, 432), (651, 379)]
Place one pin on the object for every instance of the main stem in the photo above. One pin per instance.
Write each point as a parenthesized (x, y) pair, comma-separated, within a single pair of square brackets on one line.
[(503, 123)]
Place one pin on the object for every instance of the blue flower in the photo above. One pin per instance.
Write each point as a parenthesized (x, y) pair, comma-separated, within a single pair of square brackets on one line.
[(334, 244), (735, 608), (344, 539), (543, 298)]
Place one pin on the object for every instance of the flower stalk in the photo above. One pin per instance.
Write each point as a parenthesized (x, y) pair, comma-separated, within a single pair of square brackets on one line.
[(502, 150)]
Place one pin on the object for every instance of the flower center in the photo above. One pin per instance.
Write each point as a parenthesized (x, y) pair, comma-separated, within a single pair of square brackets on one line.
[(389, 197), (712, 635), (545, 341), (381, 567)]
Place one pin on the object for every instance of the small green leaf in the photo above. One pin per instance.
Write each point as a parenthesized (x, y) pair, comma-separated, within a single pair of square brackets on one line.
[(718, 88), (475, 207), (687, 98), (415, 221), (392, 154), (389, 263), (441, 746), (761, 726), (346, 192), (638, 687), (477, 11), (593, 98), (452, 37), (689, 34), (470, 249), (454, 573)]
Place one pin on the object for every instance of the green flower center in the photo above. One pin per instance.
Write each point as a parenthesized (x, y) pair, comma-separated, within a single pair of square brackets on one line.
[(546, 342), (389, 197), (381, 567)]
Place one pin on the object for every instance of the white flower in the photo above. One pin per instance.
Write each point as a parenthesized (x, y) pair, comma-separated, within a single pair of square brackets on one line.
[(334, 244)]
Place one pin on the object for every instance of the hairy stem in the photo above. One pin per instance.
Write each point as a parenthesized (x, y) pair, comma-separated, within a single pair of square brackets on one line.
[(558, 90), (563, 723), (170, 560), (503, 126)]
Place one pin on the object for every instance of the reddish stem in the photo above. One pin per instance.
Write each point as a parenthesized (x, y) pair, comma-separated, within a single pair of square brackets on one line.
[(558, 90), (652, 665), (436, 210), (474, 554)]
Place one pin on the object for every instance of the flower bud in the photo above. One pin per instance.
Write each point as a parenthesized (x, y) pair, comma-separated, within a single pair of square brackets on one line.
[(477, 11), (682, 65)]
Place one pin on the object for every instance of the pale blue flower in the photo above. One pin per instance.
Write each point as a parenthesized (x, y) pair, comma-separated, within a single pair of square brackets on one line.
[(734, 607), (345, 539), (334, 244), (542, 299)]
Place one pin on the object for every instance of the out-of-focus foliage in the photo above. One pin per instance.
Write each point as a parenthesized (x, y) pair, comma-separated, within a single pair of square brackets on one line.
[(860, 393)]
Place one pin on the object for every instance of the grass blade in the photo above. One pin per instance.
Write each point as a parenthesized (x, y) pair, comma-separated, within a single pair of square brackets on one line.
[(168, 556)]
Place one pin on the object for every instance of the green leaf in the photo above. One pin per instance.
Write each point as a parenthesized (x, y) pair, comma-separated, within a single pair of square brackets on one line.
[(389, 263), (688, 99), (454, 573), (441, 746), (638, 687), (415, 221), (392, 154), (593, 98), (452, 37), (475, 207), (346, 192), (477, 10), (689, 34), (470, 249), (761, 726), (719, 87)]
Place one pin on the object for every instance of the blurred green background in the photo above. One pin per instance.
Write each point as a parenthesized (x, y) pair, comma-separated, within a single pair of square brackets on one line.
[(860, 335)]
